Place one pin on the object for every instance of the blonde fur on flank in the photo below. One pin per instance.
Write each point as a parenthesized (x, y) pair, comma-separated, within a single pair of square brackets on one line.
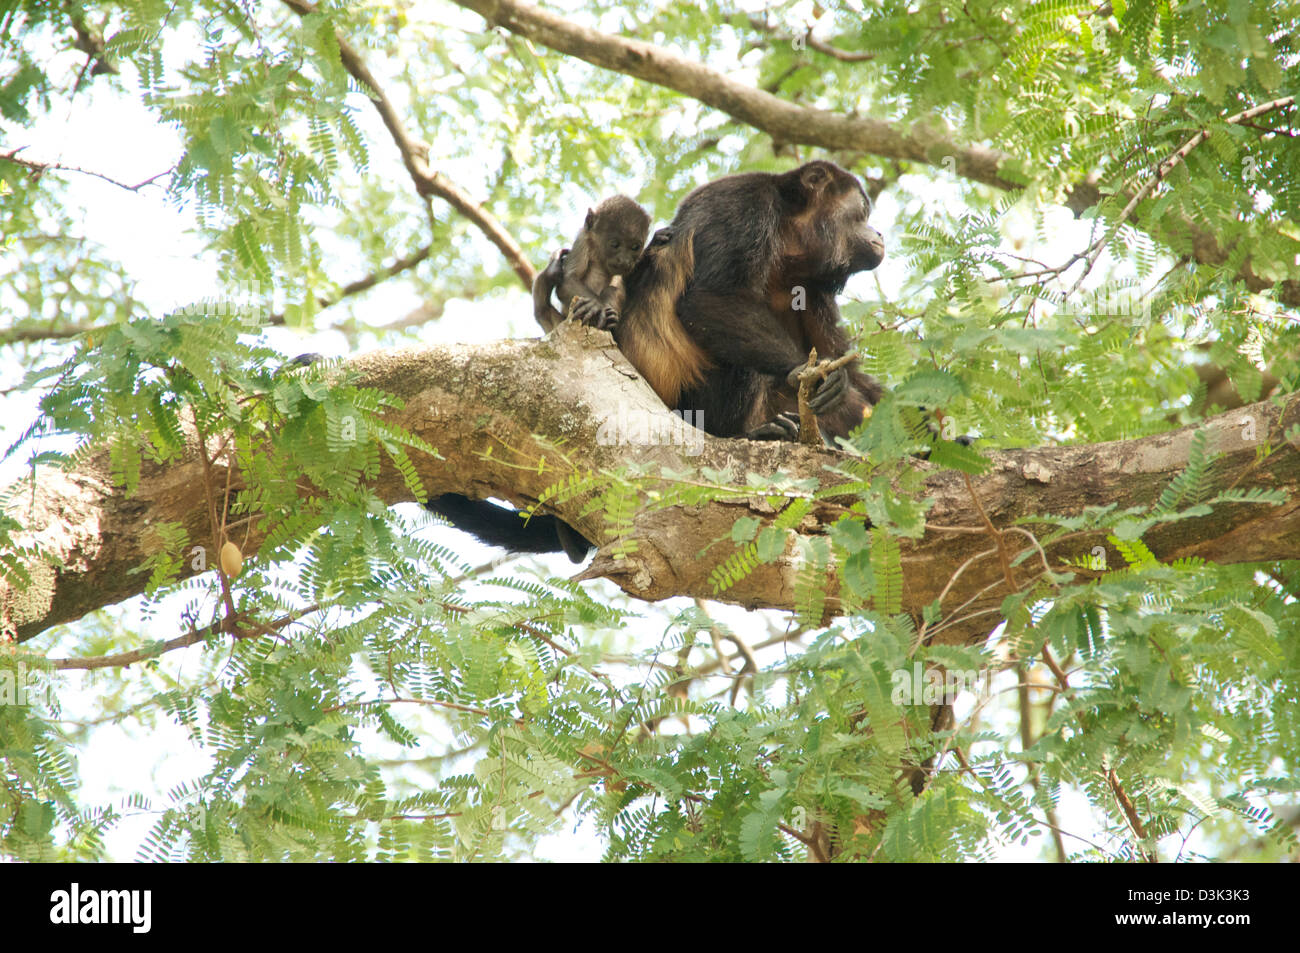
[(651, 336)]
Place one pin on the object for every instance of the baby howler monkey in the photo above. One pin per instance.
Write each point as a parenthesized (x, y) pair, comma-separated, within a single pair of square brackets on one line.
[(588, 278)]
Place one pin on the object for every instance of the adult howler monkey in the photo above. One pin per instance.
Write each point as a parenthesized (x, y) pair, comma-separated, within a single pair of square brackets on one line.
[(722, 309), (721, 315)]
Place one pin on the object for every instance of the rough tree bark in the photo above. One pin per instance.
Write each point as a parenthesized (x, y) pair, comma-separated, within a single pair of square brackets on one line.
[(524, 399)]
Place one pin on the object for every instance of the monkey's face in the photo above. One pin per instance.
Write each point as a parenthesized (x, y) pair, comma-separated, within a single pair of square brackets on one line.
[(863, 246), (830, 229), (621, 249)]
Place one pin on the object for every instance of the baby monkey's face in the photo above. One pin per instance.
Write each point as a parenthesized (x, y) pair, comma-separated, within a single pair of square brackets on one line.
[(622, 247)]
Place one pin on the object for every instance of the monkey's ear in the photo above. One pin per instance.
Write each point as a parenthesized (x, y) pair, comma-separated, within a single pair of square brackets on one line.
[(591, 218), (815, 177)]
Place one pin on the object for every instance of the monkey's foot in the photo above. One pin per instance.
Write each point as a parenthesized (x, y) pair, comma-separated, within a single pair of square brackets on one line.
[(781, 427), (608, 320)]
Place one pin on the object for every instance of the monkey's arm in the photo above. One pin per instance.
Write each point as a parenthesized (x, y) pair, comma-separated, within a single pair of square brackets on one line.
[(614, 294), (584, 287), (739, 329), (613, 298), (583, 302), (546, 281)]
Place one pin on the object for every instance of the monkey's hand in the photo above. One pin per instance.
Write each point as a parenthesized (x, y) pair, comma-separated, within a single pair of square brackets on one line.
[(594, 313), (828, 393), (780, 427), (554, 270), (584, 310)]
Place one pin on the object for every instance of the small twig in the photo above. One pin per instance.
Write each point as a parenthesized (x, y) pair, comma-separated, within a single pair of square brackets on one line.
[(809, 433), (40, 168), (123, 659), (920, 634), (1049, 660), (216, 528), (432, 702), (1162, 172), (366, 282), (1130, 812), (812, 42), (966, 767), (525, 627), (1058, 673), (750, 667), (1024, 705), (998, 536), (844, 56), (1281, 131)]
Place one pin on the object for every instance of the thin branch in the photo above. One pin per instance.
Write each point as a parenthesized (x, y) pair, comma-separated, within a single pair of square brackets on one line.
[(431, 702), (123, 659), (40, 168), (919, 640), (29, 335), (812, 42), (966, 767), (1003, 558), (415, 156), (1130, 812), (1162, 171), (846, 56), (366, 282), (1057, 672), (784, 121), (792, 123)]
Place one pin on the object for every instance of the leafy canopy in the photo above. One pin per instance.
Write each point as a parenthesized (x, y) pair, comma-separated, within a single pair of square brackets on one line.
[(414, 707)]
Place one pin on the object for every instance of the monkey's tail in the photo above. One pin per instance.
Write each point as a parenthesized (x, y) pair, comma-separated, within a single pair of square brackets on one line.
[(498, 526)]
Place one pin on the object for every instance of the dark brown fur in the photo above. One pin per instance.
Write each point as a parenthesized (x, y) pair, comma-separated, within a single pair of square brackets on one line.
[(742, 285), (712, 317)]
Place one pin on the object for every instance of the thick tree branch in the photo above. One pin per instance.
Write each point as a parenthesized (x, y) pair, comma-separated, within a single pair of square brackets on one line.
[(784, 121), (791, 123), (497, 413)]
